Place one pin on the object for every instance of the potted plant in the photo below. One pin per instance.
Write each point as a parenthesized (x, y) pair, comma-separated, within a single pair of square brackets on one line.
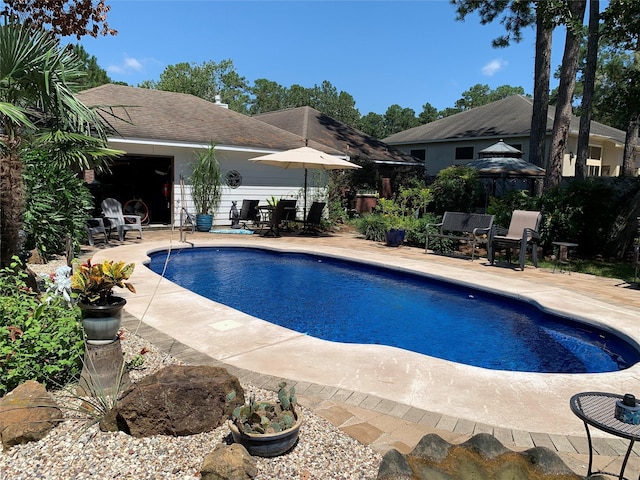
[(92, 287), (206, 187), (267, 429), (392, 213)]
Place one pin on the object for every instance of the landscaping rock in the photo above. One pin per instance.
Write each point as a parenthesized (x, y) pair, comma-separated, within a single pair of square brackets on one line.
[(27, 414), (229, 462), (483, 457), (177, 400)]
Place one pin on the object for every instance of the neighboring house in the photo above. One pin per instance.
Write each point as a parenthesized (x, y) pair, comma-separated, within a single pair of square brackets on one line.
[(314, 125), (160, 131), (457, 139)]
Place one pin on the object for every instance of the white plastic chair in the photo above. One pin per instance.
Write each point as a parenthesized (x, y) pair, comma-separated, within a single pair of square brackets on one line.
[(95, 226), (112, 210)]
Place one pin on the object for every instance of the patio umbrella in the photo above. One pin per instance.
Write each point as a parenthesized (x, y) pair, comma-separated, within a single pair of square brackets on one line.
[(304, 157)]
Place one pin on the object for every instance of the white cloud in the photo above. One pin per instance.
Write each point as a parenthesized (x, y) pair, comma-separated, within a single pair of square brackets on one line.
[(133, 64), (493, 67), (128, 65)]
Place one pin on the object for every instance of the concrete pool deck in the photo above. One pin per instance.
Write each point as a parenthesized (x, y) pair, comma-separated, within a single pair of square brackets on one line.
[(382, 396)]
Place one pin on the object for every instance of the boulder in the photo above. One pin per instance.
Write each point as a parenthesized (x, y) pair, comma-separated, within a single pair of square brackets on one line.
[(482, 457), (27, 414), (177, 400), (229, 462)]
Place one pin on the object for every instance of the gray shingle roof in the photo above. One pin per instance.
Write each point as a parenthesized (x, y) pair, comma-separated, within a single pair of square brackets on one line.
[(509, 117), (314, 125), (176, 117)]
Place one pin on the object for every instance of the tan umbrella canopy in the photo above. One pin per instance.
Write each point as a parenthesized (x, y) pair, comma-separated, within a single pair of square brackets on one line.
[(304, 157)]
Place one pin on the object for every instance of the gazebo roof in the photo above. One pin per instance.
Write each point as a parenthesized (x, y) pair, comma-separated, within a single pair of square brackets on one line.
[(506, 166), (500, 149), (501, 159)]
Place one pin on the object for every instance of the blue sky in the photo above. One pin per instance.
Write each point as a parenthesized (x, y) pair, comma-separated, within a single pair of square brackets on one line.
[(380, 52)]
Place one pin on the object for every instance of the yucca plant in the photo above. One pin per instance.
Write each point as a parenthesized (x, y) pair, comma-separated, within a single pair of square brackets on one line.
[(206, 182)]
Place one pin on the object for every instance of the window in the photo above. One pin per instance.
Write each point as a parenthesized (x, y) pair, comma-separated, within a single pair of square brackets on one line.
[(595, 153), (418, 154), (464, 153), (517, 146), (593, 170)]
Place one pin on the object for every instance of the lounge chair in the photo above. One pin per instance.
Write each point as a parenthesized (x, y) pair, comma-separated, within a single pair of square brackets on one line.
[(523, 231), (274, 220), (96, 226), (248, 212), (314, 218), (112, 210), (289, 214)]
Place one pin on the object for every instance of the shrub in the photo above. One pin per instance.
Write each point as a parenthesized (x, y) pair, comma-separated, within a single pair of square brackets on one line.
[(373, 226), (416, 228), (456, 189), (58, 204), (515, 200), (588, 212), (38, 340)]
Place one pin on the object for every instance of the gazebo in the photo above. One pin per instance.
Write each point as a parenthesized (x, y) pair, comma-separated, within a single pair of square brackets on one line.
[(501, 169)]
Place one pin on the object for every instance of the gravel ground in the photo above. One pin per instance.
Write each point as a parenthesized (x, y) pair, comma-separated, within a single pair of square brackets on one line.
[(76, 450)]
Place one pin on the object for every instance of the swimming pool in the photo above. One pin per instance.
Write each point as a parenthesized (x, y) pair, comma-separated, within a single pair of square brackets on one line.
[(349, 302)]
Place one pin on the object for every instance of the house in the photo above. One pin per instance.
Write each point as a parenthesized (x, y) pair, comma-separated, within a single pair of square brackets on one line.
[(309, 123), (160, 131), (457, 139)]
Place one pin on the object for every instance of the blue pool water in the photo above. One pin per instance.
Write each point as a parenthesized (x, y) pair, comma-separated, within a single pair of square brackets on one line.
[(349, 302)]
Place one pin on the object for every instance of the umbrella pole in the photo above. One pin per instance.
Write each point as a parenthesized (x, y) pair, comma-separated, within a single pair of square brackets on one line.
[(304, 211)]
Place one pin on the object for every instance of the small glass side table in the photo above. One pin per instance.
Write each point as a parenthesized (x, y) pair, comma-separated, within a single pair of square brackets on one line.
[(562, 255)]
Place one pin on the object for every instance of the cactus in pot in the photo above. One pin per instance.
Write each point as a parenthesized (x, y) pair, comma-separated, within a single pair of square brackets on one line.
[(267, 428)]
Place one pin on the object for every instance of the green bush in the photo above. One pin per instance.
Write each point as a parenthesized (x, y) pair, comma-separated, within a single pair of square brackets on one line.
[(38, 340), (373, 226), (588, 212), (58, 204), (456, 189), (585, 212), (515, 200)]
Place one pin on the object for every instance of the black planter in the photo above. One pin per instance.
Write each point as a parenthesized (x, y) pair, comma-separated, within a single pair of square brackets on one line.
[(101, 323), (395, 237)]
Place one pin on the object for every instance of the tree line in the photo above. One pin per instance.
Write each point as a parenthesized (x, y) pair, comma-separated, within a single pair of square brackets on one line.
[(211, 79)]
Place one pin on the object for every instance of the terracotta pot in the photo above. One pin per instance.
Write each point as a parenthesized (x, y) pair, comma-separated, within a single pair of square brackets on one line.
[(101, 323), (268, 444)]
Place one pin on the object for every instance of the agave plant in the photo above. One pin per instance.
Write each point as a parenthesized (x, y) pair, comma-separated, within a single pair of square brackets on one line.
[(94, 284)]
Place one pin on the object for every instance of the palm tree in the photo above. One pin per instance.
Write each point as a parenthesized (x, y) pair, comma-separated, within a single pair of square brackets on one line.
[(38, 109)]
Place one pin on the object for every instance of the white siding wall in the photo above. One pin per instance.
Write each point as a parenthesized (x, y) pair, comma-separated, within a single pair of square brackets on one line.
[(259, 182)]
